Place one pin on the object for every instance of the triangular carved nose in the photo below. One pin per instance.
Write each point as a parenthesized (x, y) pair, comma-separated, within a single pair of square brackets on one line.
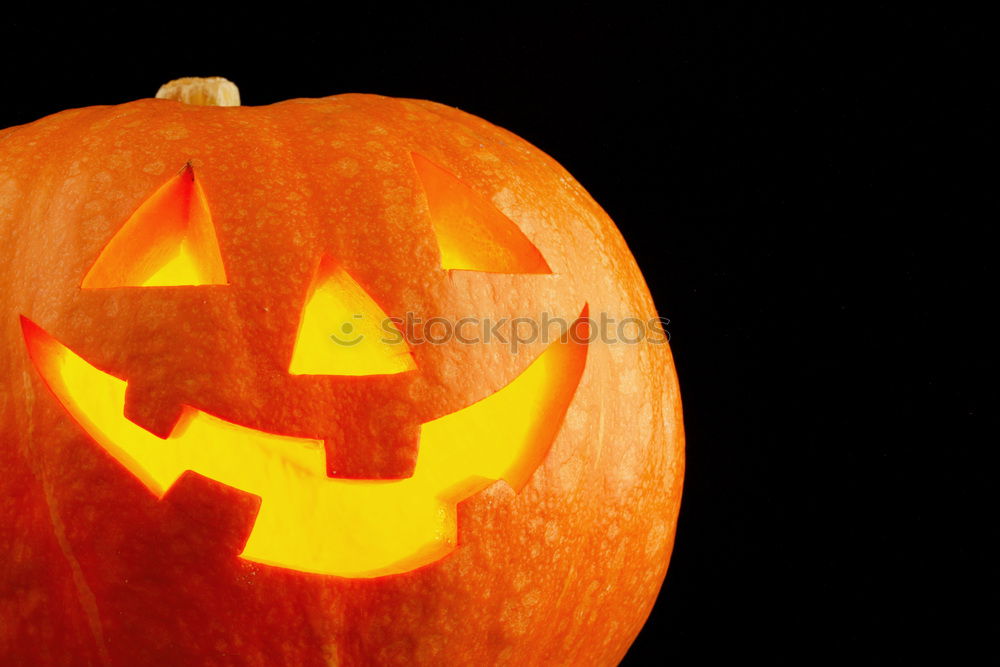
[(342, 331)]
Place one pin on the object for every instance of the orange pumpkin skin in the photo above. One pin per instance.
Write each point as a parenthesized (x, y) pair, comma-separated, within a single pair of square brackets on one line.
[(96, 570)]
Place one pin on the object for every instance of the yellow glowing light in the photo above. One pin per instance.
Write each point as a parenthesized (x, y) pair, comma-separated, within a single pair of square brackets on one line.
[(472, 234), (308, 521), (169, 241), (181, 269), (342, 331)]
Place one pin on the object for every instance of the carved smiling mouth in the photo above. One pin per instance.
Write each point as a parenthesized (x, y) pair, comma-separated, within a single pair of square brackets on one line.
[(308, 521)]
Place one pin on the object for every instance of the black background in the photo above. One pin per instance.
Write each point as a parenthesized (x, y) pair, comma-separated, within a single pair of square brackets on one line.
[(810, 197)]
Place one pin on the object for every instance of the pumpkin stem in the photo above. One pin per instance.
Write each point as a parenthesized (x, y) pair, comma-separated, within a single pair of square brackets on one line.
[(212, 91)]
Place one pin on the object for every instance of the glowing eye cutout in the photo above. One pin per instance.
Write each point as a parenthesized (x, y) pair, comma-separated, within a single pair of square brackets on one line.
[(169, 241), (342, 331), (472, 234)]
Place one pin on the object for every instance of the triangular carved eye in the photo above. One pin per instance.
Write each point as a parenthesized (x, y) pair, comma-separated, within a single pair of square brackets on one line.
[(169, 241), (472, 234)]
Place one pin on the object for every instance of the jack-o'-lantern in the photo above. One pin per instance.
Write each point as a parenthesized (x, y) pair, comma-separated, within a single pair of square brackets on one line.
[(270, 397)]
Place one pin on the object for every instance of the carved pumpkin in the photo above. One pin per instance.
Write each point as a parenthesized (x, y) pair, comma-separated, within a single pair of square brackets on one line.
[(223, 442)]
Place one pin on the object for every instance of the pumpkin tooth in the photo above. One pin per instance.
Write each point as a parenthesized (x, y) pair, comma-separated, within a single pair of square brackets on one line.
[(154, 408)]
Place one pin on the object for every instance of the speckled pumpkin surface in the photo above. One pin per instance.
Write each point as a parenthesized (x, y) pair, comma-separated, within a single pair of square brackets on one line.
[(97, 570)]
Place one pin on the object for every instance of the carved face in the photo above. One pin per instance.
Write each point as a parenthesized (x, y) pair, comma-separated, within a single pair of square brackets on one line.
[(226, 431), (308, 521)]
